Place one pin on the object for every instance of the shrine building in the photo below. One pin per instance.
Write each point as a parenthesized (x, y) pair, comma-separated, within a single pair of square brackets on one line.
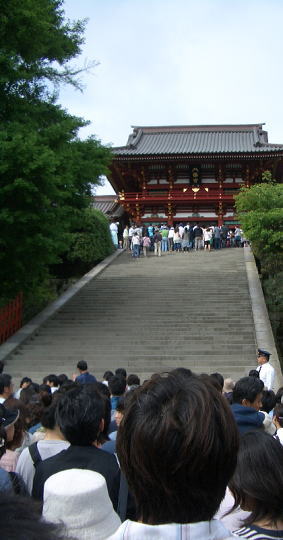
[(173, 174)]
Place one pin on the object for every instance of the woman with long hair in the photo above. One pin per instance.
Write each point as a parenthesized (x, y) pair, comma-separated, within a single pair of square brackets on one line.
[(257, 486)]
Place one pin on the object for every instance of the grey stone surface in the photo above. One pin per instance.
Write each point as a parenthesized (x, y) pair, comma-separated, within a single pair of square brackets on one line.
[(147, 315), (263, 330)]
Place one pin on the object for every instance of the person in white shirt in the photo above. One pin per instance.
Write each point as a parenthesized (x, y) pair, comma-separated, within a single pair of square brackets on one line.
[(126, 237), (207, 236), (131, 232), (114, 232), (177, 446), (181, 230), (136, 244), (265, 369)]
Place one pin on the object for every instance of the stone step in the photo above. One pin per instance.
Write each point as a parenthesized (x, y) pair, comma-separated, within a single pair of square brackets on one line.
[(149, 315)]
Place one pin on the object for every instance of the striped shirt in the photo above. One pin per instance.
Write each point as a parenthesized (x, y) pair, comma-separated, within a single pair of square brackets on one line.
[(258, 533)]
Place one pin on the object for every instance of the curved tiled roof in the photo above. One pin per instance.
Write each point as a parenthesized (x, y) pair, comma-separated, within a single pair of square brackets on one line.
[(246, 138), (108, 205)]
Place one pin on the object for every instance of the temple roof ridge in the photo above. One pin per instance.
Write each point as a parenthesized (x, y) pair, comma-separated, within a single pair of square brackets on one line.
[(197, 139), (200, 127)]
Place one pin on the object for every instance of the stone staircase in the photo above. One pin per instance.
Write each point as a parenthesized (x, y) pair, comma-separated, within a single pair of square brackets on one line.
[(151, 315)]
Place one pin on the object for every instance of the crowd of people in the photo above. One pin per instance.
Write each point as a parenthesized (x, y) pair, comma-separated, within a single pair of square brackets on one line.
[(176, 456), (181, 238)]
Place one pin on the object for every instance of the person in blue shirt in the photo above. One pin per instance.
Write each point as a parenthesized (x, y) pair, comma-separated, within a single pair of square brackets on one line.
[(247, 395), (84, 376)]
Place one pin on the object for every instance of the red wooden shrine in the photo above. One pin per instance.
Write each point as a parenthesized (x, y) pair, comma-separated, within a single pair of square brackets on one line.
[(11, 317), (175, 174)]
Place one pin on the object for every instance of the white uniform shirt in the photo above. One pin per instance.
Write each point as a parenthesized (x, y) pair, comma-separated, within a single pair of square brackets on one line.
[(113, 227), (266, 375)]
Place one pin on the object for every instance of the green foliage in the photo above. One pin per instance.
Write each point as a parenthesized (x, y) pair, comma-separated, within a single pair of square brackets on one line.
[(92, 242), (46, 173), (260, 210), (37, 298), (267, 177)]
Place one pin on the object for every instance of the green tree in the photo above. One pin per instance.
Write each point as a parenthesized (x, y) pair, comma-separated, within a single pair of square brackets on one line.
[(46, 172), (260, 211), (92, 242)]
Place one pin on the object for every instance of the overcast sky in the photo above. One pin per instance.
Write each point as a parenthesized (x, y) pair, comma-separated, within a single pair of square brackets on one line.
[(170, 62)]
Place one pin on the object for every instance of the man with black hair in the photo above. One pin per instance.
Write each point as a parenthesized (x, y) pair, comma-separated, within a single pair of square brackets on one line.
[(79, 415), (177, 446), (247, 395), (117, 386), (84, 376), (25, 382), (121, 372), (52, 381), (6, 387)]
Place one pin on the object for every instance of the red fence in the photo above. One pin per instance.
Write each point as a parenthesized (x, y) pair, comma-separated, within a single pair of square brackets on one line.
[(11, 318)]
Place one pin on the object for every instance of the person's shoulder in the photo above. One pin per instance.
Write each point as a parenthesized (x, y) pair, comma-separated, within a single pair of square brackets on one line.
[(49, 463)]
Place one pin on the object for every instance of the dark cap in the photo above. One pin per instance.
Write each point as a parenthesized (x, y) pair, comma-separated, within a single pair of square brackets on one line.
[(7, 416), (262, 352)]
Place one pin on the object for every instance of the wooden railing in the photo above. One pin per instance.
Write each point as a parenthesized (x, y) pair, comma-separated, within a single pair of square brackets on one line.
[(185, 195), (11, 317)]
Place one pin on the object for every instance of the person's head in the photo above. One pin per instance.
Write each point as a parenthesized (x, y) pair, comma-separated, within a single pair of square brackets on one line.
[(191, 439), (107, 375), (133, 379), (278, 415), (82, 366), (262, 356), (228, 385), (101, 387), (268, 401), (117, 385), (6, 385), (257, 484), (181, 372), (62, 378), (25, 382), (21, 520), (8, 418), (103, 390), (45, 394), (28, 395), (52, 381), (248, 392), (79, 416), (120, 408), (279, 395), (48, 418), (35, 411), (121, 372), (19, 408), (218, 378), (254, 373)]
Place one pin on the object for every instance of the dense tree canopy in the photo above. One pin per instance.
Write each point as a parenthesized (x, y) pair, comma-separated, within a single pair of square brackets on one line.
[(46, 171), (260, 209)]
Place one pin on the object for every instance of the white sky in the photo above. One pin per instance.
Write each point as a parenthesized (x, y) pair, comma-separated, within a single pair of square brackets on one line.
[(168, 62)]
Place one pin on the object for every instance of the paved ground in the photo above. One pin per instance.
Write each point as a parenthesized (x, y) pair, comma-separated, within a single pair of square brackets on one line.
[(148, 315)]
